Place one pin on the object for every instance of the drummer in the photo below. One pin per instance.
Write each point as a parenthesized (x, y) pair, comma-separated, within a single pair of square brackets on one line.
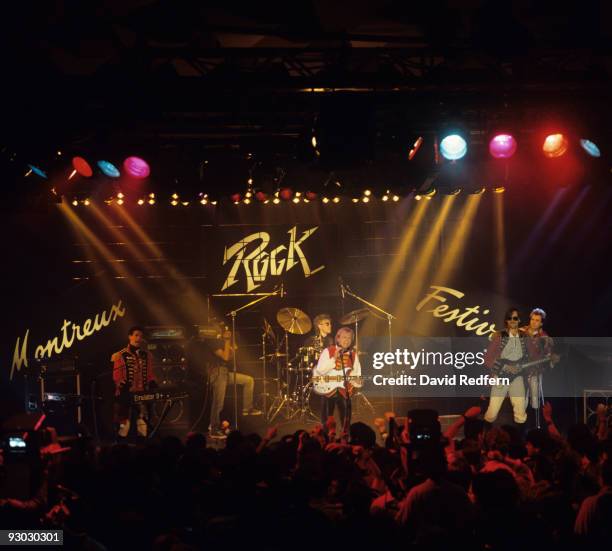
[(322, 336)]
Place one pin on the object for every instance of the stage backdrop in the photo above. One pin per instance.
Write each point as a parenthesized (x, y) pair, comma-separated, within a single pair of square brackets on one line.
[(77, 277)]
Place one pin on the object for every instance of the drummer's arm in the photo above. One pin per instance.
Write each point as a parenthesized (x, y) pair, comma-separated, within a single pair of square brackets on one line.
[(325, 363)]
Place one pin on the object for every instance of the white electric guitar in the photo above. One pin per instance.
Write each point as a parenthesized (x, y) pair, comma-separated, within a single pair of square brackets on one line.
[(326, 385)]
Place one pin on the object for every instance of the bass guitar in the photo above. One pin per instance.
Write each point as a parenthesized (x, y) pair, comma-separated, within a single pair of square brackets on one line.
[(512, 369)]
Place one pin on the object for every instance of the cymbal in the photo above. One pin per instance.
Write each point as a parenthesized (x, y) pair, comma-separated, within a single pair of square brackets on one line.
[(294, 321), (273, 355), (355, 316)]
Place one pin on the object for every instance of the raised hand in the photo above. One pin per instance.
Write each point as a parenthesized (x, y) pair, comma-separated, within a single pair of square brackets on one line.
[(472, 412)]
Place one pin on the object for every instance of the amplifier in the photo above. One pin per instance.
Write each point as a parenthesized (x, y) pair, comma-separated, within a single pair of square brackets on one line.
[(165, 332)]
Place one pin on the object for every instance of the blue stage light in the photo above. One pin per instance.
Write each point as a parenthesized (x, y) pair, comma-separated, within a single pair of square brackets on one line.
[(109, 169), (590, 148), (38, 171), (453, 147)]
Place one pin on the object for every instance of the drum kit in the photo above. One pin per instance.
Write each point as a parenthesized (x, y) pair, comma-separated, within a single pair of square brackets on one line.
[(295, 398)]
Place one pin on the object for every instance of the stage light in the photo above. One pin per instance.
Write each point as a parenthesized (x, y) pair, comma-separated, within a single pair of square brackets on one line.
[(75, 203), (120, 195), (366, 199), (248, 194), (418, 197), (151, 201), (306, 200), (246, 201), (395, 198), (385, 197), (311, 195), (185, 203), (82, 167), (136, 167), (453, 147), (325, 200), (355, 200), (261, 196), (140, 202), (336, 199), (479, 191), (174, 202), (313, 141), (236, 198), (286, 194), (367, 193), (415, 147), (174, 196), (151, 195), (555, 145), (250, 181), (120, 201), (38, 171), (499, 189), (204, 200), (455, 191), (276, 200), (296, 199), (213, 202), (109, 169), (590, 147), (502, 146), (429, 193)]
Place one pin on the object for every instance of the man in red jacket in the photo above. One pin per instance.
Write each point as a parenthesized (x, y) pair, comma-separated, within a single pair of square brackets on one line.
[(132, 373), (539, 345), (509, 346)]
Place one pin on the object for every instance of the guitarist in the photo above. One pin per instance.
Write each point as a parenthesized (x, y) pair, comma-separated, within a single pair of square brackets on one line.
[(132, 373), (509, 345), (540, 345), (334, 360)]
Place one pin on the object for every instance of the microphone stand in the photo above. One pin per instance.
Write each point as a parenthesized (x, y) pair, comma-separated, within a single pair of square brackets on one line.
[(346, 290), (261, 297)]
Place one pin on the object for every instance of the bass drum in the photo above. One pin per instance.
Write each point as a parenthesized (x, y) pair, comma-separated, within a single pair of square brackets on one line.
[(312, 402)]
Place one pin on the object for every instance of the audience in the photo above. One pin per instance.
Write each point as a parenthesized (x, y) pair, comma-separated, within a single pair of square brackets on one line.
[(493, 489)]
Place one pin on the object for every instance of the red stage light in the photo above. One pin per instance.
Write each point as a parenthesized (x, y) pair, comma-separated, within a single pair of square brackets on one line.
[(261, 196), (311, 195), (286, 194), (502, 146), (236, 197), (82, 167), (555, 145)]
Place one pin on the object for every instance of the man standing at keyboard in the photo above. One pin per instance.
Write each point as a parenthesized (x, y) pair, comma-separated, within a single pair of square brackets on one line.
[(333, 360), (133, 374)]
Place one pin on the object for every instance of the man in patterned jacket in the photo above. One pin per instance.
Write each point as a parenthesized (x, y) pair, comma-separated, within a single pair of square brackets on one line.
[(132, 373)]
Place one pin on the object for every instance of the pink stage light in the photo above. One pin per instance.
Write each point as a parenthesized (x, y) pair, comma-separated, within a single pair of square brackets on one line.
[(502, 146), (136, 167)]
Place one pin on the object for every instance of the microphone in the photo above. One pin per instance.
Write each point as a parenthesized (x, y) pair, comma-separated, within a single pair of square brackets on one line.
[(341, 284)]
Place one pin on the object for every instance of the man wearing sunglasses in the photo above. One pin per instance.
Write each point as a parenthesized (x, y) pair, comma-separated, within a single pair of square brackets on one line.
[(322, 336), (510, 345)]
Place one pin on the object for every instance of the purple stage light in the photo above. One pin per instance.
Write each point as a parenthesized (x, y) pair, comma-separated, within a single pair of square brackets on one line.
[(502, 146), (136, 167)]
